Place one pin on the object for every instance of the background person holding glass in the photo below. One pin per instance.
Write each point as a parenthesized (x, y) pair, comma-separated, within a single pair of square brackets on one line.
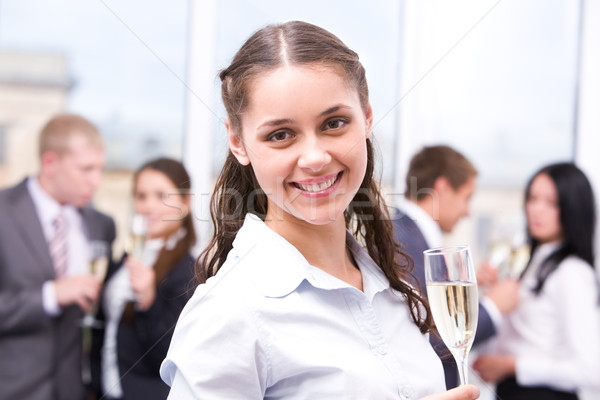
[(45, 283), (144, 295), (549, 347)]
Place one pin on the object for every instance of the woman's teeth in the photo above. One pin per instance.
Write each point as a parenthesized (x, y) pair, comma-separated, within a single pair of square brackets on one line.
[(317, 187)]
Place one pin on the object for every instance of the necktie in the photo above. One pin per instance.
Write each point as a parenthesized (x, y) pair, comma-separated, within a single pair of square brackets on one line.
[(58, 245)]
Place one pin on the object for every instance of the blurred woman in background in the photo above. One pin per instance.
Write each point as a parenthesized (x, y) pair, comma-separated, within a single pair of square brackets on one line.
[(144, 296), (548, 348)]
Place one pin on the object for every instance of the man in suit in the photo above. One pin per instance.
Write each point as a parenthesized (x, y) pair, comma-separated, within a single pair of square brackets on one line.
[(45, 284), (440, 182)]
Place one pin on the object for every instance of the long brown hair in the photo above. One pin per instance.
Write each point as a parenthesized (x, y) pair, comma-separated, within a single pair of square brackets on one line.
[(237, 191)]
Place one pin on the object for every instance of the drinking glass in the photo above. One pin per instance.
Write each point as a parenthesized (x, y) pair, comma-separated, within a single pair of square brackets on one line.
[(138, 235), (452, 292), (98, 267), (510, 257)]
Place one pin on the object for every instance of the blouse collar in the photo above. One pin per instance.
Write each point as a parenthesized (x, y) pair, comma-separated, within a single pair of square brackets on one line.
[(278, 268)]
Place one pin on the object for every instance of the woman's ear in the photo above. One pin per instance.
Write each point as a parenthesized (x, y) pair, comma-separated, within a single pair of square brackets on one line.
[(369, 121), (236, 145)]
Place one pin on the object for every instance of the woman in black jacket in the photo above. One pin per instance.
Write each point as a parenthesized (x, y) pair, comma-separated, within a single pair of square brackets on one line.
[(144, 295)]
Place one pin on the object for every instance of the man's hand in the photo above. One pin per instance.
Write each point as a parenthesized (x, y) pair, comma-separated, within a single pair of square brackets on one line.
[(463, 392), (82, 290)]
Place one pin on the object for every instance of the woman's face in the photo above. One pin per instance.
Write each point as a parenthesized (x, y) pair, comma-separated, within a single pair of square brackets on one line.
[(543, 212), (163, 205), (304, 133)]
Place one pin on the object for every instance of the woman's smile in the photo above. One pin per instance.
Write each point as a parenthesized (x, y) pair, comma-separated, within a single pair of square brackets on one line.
[(319, 187)]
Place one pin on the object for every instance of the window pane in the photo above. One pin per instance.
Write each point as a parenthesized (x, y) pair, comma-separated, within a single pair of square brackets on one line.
[(126, 66), (503, 89), (497, 81)]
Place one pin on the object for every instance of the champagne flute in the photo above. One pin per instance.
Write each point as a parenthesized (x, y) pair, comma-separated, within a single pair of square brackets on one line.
[(452, 292), (138, 235), (98, 267), (519, 256)]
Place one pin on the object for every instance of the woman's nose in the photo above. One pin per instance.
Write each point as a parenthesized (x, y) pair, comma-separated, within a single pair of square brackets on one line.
[(314, 155)]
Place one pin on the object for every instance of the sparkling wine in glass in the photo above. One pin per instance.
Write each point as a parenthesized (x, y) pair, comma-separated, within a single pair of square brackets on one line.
[(452, 292), (99, 253), (138, 235)]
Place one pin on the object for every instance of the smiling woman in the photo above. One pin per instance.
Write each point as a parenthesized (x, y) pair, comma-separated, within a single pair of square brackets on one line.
[(294, 306), (315, 145)]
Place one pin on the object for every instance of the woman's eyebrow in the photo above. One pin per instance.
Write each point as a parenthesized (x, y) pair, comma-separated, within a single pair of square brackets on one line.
[(334, 109), (284, 121), (276, 122)]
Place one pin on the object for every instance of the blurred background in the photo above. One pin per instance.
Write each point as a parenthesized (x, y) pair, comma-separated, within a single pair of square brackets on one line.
[(513, 85)]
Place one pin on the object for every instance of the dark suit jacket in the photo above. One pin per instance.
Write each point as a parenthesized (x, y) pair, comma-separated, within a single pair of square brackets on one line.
[(40, 356), (410, 236), (142, 343)]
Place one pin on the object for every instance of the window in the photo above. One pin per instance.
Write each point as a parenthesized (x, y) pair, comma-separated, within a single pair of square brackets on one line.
[(127, 62), (497, 80)]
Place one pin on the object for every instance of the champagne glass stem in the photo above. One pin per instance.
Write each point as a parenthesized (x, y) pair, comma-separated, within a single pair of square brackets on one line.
[(463, 368)]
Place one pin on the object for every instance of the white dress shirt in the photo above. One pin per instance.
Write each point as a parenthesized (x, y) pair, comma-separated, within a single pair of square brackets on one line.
[(77, 242), (555, 335), (269, 325)]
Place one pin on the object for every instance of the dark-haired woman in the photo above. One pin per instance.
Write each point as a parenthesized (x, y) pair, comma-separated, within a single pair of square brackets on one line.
[(143, 298), (549, 348)]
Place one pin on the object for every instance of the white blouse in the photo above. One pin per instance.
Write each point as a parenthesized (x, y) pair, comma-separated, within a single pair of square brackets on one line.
[(269, 325), (555, 335), (117, 294)]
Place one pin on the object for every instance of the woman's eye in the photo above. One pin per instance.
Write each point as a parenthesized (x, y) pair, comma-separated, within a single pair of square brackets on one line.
[(335, 124), (278, 136)]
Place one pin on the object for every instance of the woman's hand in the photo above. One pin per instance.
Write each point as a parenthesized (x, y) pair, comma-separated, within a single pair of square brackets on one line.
[(495, 367), (143, 283), (463, 392), (505, 295), (487, 275)]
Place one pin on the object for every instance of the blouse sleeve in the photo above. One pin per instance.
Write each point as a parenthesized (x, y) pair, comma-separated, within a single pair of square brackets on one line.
[(575, 365), (216, 351)]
